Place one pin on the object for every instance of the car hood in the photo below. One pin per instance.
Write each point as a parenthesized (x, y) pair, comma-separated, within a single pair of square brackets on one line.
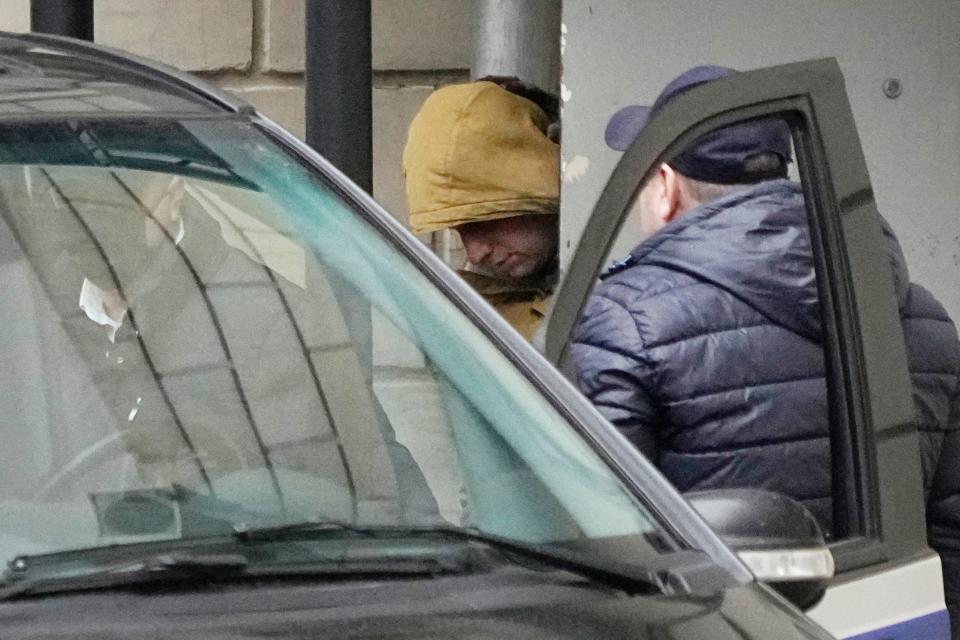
[(491, 608)]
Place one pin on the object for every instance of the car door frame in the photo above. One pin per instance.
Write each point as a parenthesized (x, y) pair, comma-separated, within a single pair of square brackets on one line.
[(874, 442)]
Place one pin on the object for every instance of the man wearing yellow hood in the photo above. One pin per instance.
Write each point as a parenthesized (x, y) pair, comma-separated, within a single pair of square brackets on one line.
[(478, 160)]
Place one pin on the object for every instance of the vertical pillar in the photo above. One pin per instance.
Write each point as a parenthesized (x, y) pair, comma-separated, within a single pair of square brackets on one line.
[(72, 18), (518, 38), (338, 83)]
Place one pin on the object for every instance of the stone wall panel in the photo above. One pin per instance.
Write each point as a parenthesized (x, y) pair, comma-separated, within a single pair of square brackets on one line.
[(195, 36)]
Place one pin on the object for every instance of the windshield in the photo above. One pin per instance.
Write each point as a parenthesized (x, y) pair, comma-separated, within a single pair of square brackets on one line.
[(200, 336)]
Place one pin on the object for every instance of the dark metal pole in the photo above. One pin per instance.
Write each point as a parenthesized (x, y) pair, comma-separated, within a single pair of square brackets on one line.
[(72, 18), (339, 117), (339, 102)]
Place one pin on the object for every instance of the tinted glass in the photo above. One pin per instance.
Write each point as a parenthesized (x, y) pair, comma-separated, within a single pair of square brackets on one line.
[(200, 336)]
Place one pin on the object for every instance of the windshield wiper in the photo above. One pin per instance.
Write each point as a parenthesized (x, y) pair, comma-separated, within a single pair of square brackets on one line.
[(26, 576), (623, 576), (162, 567)]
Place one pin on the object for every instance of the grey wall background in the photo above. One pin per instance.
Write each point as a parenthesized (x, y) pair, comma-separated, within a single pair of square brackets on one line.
[(617, 52)]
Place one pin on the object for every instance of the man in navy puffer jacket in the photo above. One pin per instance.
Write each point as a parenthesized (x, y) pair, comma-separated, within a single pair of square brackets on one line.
[(704, 346)]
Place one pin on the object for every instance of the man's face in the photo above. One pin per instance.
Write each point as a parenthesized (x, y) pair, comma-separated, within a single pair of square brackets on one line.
[(514, 247)]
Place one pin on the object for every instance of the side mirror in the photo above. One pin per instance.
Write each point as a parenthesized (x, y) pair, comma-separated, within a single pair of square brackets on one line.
[(775, 536)]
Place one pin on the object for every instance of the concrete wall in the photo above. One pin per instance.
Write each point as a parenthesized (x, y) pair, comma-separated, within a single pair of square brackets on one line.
[(622, 51), (15, 15)]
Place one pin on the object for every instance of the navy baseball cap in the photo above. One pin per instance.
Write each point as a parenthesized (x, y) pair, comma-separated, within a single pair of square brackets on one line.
[(718, 156)]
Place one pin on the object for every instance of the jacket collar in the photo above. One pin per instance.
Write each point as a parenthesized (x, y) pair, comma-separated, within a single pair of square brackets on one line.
[(709, 210), (541, 284)]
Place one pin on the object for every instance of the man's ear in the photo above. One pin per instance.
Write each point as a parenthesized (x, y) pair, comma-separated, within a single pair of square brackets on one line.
[(672, 194)]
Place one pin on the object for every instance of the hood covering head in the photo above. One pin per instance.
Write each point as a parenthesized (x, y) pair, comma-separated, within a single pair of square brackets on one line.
[(477, 152)]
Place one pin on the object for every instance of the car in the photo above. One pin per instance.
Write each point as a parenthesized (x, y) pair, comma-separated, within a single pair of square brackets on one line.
[(241, 399)]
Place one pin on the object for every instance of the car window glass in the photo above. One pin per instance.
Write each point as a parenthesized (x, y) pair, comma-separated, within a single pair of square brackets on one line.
[(222, 335)]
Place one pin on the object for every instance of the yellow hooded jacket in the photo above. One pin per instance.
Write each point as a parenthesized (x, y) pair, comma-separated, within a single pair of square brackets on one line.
[(477, 152)]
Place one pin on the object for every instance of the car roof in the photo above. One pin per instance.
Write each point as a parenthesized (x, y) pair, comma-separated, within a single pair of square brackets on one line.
[(50, 76)]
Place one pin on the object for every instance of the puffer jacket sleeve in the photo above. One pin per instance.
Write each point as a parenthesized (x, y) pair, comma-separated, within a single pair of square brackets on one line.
[(614, 371), (943, 508)]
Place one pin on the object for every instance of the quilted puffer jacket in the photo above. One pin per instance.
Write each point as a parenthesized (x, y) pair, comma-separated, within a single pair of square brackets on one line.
[(704, 348)]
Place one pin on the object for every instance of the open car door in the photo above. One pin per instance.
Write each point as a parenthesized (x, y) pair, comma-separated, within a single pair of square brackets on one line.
[(888, 582)]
